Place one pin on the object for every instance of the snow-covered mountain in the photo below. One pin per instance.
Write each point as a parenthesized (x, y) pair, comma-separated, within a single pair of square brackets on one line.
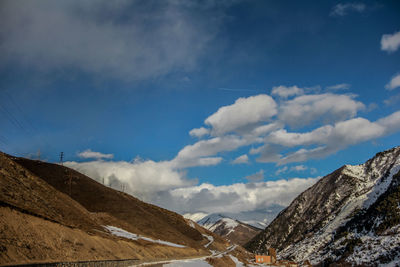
[(258, 218), (235, 231), (351, 215)]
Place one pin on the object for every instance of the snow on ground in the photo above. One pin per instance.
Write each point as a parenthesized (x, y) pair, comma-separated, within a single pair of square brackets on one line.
[(368, 190), (210, 238), (122, 233), (191, 223), (229, 223), (198, 262), (373, 247), (195, 216), (184, 263)]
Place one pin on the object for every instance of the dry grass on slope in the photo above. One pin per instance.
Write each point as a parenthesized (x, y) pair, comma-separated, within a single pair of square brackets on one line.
[(137, 216), (30, 239)]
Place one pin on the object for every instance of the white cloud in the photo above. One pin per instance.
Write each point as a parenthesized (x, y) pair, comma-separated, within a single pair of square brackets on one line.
[(128, 40), (341, 10), (195, 155), (341, 86), (236, 197), (390, 123), (285, 92), (264, 129), (141, 178), (394, 83), (330, 138), (199, 132), (269, 153), (244, 112), (307, 109), (323, 141), (89, 154), (390, 42), (287, 139), (160, 184), (243, 159), (256, 177)]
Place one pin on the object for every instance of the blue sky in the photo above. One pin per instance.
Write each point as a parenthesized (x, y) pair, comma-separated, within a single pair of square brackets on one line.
[(132, 79)]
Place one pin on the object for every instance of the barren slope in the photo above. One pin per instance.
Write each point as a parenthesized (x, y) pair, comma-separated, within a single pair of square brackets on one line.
[(43, 219)]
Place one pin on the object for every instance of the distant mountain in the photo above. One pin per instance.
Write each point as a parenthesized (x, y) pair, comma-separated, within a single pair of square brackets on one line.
[(350, 216), (49, 212), (235, 231)]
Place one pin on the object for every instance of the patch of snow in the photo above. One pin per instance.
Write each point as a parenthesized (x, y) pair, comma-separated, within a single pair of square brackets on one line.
[(195, 216), (197, 262), (210, 238), (191, 223), (256, 224), (125, 234), (227, 222)]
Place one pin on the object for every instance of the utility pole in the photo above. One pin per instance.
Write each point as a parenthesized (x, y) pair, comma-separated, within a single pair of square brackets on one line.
[(38, 154), (70, 184), (61, 157)]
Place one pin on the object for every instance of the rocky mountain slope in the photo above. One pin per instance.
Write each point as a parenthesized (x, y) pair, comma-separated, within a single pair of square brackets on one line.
[(235, 231), (52, 213), (351, 215)]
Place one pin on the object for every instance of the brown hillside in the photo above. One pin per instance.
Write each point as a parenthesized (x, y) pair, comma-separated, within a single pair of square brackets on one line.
[(138, 217), (22, 190), (44, 219)]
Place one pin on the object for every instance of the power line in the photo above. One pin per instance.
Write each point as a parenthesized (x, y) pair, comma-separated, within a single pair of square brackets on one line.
[(24, 117)]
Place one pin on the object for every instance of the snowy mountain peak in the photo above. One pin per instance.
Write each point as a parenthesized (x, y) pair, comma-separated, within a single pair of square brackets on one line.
[(309, 228), (229, 228)]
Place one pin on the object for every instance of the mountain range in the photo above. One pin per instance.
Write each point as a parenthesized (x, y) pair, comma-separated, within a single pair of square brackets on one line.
[(351, 216), (233, 230)]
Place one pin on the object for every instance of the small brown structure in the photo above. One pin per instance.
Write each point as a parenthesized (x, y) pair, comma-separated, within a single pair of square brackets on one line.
[(270, 258)]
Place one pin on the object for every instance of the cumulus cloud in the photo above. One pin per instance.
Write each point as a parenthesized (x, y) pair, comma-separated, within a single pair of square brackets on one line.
[(199, 132), (285, 92), (331, 139), (394, 83), (165, 183), (159, 183), (89, 154), (244, 112), (194, 155), (238, 197), (341, 86), (128, 40), (390, 42), (341, 10), (265, 129), (269, 153), (272, 141), (243, 159), (390, 123), (141, 178), (256, 177), (307, 109)]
